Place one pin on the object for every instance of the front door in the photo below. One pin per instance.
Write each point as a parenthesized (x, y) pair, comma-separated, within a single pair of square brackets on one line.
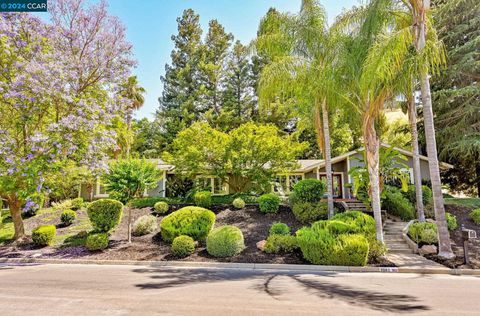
[(337, 184)]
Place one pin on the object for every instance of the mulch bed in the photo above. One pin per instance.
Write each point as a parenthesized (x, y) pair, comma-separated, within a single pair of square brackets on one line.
[(254, 225), (462, 214)]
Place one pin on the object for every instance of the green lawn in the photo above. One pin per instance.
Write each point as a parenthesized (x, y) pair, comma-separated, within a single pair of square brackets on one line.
[(6, 228), (473, 202)]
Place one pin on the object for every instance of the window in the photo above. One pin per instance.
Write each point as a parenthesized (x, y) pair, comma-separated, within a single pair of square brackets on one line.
[(100, 190), (212, 184), (284, 183), (336, 184)]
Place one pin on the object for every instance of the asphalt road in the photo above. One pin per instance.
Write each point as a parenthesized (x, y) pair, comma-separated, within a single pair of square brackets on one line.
[(137, 290)]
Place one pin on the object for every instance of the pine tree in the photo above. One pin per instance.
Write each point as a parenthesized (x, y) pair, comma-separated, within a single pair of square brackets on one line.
[(178, 103), (457, 92)]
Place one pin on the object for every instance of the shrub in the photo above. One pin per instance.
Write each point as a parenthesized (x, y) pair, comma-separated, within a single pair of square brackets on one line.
[(361, 222), (77, 204), (225, 241), (150, 201), (396, 204), (238, 203), (145, 225), (425, 233), (277, 243), (44, 235), (308, 190), (451, 221), (68, 217), (307, 212), (319, 246), (192, 221), (105, 214), (183, 246), (427, 195), (279, 229), (203, 199), (269, 203), (475, 216), (160, 207), (336, 227), (97, 241)]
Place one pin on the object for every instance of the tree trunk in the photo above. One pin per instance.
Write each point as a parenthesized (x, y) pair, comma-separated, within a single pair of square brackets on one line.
[(477, 171), (417, 176), (372, 148), (328, 159), (129, 128), (15, 210), (444, 249)]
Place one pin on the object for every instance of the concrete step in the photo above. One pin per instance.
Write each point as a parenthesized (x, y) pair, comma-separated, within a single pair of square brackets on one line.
[(400, 251)]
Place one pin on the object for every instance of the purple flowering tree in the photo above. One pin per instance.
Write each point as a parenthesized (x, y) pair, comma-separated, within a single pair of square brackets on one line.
[(59, 84)]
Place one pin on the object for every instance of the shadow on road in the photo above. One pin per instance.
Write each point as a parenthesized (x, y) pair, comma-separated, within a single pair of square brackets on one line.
[(323, 286)]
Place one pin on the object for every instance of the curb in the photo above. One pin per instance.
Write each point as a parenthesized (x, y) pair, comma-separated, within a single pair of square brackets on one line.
[(245, 266)]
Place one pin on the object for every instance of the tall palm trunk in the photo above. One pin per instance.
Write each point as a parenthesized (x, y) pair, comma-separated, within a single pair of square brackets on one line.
[(445, 249), (328, 158), (372, 150), (129, 128), (417, 176), (15, 210)]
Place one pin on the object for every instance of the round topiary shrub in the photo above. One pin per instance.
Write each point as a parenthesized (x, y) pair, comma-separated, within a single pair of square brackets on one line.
[(238, 203), (203, 199), (183, 246), (192, 221), (451, 221), (225, 241), (308, 190), (269, 203), (145, 225), (68, 217), (307, 212), (279, 229), (105, 214), (97, 241), (77, 203), (44, 235), (160, 207), (475, 216)]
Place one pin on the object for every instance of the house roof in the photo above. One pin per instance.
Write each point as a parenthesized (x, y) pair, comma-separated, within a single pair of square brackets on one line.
[(162, 165), (308, 165)]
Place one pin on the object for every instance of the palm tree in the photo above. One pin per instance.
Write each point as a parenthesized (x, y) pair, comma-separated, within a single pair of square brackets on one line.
[(304, 70), (132, 91)]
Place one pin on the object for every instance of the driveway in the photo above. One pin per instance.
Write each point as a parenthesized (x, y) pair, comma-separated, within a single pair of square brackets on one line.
[(142, 290)]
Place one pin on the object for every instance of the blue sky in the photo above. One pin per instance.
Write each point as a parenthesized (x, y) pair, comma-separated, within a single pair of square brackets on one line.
[(151, 23)]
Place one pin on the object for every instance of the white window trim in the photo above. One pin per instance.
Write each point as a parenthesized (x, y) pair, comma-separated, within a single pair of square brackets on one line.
[(287, 182), (97, 191), (212, 185)]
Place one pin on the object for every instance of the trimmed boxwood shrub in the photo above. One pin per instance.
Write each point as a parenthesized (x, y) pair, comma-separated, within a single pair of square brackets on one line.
[(451, 221), (97, 241), (475, 216), (278, 243), (44, 235), (105, 214), (68, 217), (308, 212), (192, 221), (279, 229), (145, 225), (319, 246), (203, 199), (183, 246), (396, 204), (77, 204), (238, 203), (308, 190), (160, 207), (269, 203), (423, 233), (225, 241)]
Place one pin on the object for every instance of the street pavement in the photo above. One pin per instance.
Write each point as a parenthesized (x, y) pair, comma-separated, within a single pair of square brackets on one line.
[(142, 290)]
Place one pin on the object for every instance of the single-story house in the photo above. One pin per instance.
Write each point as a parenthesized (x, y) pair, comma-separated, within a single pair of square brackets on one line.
[(283, 184)]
